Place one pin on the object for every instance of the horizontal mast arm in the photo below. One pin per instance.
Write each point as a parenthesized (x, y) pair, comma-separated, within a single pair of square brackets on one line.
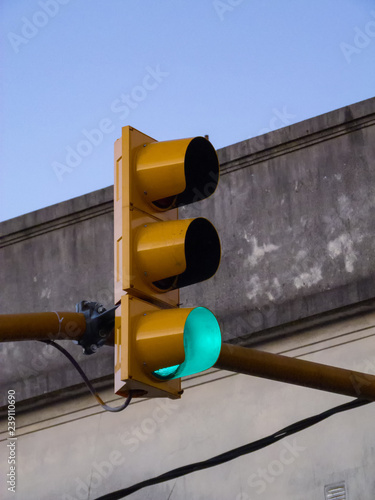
[(296, 371), (42, 326)]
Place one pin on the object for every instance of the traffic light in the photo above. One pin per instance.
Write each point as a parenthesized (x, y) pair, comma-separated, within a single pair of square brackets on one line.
[(156, 254)]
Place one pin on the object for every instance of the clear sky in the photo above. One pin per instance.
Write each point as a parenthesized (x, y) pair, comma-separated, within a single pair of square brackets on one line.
[(74, 72)]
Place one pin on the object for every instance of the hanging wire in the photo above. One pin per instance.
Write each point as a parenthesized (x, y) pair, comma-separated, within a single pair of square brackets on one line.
[(87, 381)]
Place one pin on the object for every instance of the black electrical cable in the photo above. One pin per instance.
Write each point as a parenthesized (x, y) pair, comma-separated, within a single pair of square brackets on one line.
[(237, 452), (211, 462), (87, 381)]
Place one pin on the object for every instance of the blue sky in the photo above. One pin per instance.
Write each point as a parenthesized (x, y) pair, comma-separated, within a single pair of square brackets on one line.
[(74, 72)]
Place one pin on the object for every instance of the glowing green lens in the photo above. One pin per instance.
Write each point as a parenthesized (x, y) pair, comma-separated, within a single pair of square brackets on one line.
[(202, 344)]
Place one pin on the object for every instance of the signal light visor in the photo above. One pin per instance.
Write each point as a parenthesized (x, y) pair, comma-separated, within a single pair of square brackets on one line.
[(171, 174), (175, 254)]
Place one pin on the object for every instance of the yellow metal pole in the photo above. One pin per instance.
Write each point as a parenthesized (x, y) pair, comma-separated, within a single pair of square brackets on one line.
[(296, 371), (42, 326)]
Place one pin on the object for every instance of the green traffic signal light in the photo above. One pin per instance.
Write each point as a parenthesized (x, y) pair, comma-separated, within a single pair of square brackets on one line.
[(202, 345)]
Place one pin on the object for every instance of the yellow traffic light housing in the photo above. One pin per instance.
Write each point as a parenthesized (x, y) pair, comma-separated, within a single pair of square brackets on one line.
[(159, 346), (156, 253), (151, 179)]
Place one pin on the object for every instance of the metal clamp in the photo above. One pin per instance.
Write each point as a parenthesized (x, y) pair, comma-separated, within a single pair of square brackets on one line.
[(100, 323)]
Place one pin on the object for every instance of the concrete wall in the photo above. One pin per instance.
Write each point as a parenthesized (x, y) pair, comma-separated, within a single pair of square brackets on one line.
[(295, 210), (71, 449), (52, 259), (295, 213)]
